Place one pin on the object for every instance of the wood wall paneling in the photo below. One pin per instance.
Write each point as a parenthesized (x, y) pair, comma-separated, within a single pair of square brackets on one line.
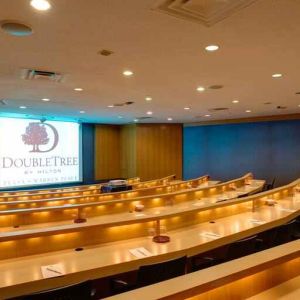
[(158, 150), (107, 152), (148, 151), (128, 151)]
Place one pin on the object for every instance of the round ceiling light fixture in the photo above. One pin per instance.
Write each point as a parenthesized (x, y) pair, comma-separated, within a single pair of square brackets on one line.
[(200, 89), (127, 73), (277, 75), (212, 48), (42, 5), (16, 28)]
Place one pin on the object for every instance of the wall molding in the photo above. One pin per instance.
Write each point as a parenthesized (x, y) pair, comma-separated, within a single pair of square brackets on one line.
[(286, 117)]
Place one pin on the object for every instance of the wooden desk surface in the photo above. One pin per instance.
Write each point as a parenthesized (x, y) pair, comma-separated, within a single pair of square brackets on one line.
[(95, 188), (209, 278), (23, 275), (50, 190), (245, 189), (150, 214), (116, 195)]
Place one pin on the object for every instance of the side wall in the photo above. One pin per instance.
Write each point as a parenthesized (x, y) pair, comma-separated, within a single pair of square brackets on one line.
[(268, 149)]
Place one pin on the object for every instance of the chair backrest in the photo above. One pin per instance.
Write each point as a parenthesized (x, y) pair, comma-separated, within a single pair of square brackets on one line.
[(268, 238), (269, 186), (80, 291), (150, 274), (241, 248), (285, 232)]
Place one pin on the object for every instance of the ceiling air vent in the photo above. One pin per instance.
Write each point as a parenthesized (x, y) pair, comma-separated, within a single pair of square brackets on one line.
[(206, 12), (3, 102), (105, 52), (218, 109), (216, 87), (143, 118), (30, 74), (123, 103)]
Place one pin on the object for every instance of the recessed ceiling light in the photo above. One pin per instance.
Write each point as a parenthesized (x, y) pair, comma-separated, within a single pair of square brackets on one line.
[(23, 107), (78, 89), (212, 48), (46, 99), (82, 112), (149, 112), (200, 89), (148, 99), (135, 120), (187, 108), (110, 106), (170, 119), (207, 116), (248, 111), (40, 4), (235, 101), (127, 73), (277, 75)]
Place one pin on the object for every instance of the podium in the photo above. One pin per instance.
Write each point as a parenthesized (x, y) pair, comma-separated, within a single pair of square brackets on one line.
[(115, 188)]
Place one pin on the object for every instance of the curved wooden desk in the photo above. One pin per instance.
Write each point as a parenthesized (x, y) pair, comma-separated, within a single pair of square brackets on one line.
[(237, 279), (23, 202), (23, 275), (124, 224), (83, 190), (90, 188), (23, 216)]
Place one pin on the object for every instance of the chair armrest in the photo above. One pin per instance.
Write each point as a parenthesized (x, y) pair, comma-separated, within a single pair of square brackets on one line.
[(120, 286)]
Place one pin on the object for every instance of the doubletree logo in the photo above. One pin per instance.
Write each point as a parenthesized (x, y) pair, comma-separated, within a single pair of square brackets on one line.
[(36, 135)]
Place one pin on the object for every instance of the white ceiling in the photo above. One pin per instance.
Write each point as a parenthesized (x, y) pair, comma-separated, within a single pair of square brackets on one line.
[(165, 53)]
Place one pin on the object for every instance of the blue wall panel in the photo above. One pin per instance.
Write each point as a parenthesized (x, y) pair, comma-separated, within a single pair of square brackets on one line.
[(88, 153), (268, 149)]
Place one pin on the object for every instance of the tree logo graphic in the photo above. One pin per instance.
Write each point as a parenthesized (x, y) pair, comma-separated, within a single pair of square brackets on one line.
[(36, 135)]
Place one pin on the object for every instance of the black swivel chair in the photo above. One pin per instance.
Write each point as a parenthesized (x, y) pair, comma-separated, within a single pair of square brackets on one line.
[(229, 252), (80, 291), (241, 248), (151, 274), (285, 233), (266, 239), (269, 186), (296, 233), (209, 259)]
